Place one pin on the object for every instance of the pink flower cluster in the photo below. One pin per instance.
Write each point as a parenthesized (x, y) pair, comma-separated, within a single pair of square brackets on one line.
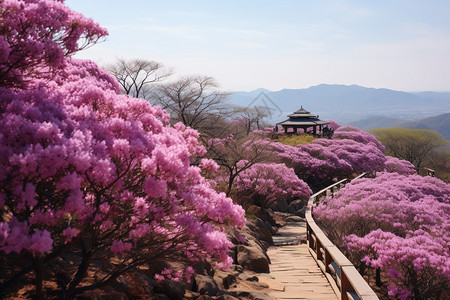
[(397, 222), (37, 35), (80, 160), (394, 164), (73, 146), (358, 135), (350, 151), (263, 133), (333, 125), (271, 182)]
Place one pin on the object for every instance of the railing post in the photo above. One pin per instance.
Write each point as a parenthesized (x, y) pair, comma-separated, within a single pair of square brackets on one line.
[(309, 236), (327, 261), (345, 285), (318, 252)]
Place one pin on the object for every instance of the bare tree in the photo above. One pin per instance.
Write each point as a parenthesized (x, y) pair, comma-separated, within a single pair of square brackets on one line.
[(252, 117), (136, 75), (194, 101)]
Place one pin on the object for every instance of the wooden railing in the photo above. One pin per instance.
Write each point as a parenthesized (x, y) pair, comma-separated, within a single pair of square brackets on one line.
[(428, 172), (345, 280)]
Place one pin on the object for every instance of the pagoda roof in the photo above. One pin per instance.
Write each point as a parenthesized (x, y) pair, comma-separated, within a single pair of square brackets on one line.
[(301, 113), (302, 117), (303, 122)]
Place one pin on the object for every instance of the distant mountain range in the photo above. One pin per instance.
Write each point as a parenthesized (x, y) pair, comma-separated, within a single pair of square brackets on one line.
[(439, 123), (348, 104)]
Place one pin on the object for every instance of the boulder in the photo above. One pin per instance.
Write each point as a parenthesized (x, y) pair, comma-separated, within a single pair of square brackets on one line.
[(226, 297), (225, 278), (278, 218), (259, 223), (294, 219), (96, 295), (272, 228), (254, 295), (174, 290), (253, 258), (296, 205), (204, 297), (238, 268), (233, 253), (281, 206), (301, 212), (206, 285), (269, 217), (257, 295), (250, 227), (253, 278), (264, 227)]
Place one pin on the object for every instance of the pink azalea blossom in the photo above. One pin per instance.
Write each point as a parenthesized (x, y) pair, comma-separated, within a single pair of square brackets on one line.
[(69, 233), (270, 182), (396, 222), (75, 153)]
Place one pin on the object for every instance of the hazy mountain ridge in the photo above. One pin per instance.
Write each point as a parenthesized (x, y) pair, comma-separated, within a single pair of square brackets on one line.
[(345, 104), (439, 123)]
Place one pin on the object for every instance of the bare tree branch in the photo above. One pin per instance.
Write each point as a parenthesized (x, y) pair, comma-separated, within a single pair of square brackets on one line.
[(136, 75), (194, 101)]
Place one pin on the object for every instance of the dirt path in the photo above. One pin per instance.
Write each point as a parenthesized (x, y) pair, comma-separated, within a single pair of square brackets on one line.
[(293, 272)]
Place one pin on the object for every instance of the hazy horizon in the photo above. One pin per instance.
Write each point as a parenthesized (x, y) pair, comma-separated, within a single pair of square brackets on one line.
[(319, 84)]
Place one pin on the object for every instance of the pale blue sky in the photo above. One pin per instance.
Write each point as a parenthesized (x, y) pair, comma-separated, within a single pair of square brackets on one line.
[(244, 45)]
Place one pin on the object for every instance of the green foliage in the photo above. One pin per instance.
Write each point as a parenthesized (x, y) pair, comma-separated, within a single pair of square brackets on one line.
[(439, 161), (413, 145), (294, 140)]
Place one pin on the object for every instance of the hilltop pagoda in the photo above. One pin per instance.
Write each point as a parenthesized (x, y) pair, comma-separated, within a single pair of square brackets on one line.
[(304, 120)]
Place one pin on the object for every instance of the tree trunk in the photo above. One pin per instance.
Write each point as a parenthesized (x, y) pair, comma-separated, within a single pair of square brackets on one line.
[(378, 277), (362, 268), (81, 272), (38, 278), (230, 185)]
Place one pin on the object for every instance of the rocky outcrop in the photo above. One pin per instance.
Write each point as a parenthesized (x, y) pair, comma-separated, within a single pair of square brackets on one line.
[(296, 206), (172, 289), (206, 285), (252, 257)]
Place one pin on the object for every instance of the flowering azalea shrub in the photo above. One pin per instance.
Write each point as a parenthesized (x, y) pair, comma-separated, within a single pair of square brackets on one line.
[(362, 157), (333, 125), (266, 183), (399, 223), (36, 36), (267, 132), (89, 175), (396, 165), (312, 160), (358, 135), (339, 157)]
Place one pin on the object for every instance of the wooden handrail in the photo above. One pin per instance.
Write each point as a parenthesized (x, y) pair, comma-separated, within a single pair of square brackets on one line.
[(345, 280)]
